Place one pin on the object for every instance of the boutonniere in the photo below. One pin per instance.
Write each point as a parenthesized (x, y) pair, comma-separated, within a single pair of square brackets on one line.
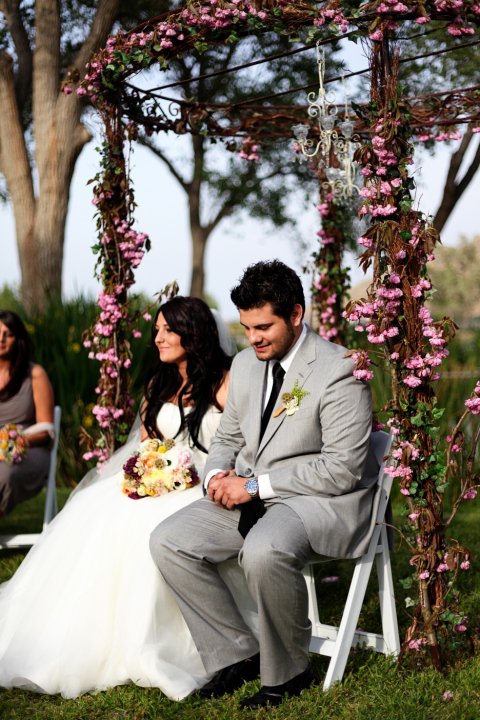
[(291, 401)]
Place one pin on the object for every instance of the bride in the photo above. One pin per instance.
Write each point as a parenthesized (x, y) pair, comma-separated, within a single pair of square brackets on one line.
[(88, 609)]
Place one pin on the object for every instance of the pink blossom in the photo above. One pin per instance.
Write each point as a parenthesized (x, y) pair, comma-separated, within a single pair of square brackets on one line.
[(365, 241), (417, 643), (412, 381), (363, 374), (465, 565), (473, 404), (471, 494)]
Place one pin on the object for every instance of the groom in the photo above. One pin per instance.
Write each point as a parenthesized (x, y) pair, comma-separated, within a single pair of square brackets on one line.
[(289, 476)]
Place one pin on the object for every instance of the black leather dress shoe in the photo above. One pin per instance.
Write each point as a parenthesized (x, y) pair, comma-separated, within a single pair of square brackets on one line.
[(232, 677), (274, 695)]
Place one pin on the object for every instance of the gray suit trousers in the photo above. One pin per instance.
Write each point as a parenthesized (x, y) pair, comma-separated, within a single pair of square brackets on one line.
[(187, 548)]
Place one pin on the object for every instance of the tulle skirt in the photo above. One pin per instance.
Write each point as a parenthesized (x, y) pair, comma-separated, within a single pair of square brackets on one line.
[(88, 609)]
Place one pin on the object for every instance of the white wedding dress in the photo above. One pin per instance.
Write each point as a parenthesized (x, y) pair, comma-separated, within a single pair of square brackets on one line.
[(88, 609)]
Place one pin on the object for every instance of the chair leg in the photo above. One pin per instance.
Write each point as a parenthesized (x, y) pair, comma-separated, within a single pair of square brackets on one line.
[(349, 621), (387, 597)]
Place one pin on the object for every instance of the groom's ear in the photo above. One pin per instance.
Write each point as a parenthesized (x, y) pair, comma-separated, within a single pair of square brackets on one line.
[(296, 315)]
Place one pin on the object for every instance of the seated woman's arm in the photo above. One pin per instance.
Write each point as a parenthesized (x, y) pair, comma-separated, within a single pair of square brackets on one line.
[(43, 401)]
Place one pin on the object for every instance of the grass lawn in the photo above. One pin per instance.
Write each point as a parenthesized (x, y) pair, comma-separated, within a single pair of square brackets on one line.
[(373, 687)]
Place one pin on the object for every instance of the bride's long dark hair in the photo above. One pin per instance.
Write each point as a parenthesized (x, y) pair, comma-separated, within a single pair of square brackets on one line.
[(207, 364)]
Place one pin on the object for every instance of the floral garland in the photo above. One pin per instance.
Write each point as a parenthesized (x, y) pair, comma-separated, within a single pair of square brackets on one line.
[(331, 281), (120, 249)]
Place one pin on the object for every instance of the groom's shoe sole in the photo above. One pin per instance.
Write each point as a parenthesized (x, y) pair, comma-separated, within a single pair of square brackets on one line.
[(231, 678), (271, 696)]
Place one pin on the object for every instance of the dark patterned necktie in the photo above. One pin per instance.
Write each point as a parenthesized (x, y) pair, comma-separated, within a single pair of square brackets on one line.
[(253, 510)]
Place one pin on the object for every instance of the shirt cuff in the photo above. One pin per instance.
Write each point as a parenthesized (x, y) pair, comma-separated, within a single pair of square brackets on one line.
[(209, 477), (265, 490)]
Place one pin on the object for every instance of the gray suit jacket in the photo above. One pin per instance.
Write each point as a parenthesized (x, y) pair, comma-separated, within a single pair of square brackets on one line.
[(318, 459)]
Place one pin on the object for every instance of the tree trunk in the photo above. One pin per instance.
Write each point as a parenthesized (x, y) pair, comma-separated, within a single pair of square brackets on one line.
[(40, 213), (14, 163), (199, 244), (198, 232)]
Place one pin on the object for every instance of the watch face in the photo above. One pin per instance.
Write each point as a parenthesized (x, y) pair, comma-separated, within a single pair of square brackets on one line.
[(251, 486)]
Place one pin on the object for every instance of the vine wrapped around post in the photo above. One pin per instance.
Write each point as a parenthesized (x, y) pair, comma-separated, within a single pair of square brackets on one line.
[(331, 280), (120, 249), (400, 242)]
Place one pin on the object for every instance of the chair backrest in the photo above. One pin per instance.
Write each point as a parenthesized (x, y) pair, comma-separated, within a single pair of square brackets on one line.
[(381, 442), (51, 504), (57, 416)]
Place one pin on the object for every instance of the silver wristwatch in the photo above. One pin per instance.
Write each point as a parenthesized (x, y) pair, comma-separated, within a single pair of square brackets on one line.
[(251, 486)]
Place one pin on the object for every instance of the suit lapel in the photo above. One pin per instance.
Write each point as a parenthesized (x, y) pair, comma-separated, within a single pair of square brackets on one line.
[(256, 382)]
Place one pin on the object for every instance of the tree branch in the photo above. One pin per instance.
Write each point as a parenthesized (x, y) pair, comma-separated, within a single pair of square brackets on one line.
[(107, 11), (238, 194), (469, 174), (453, 190), (16, 28), (146, 142), (13, 152)]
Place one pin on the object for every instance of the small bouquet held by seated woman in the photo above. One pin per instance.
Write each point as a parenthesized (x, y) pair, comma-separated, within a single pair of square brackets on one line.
[(157, 468), (13, 444)]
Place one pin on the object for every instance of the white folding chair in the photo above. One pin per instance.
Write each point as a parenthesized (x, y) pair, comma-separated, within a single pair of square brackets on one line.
[(336, 642), (51, 501)]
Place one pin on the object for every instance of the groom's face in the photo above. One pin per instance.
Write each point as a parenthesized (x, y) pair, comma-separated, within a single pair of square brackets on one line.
[(271, 336)]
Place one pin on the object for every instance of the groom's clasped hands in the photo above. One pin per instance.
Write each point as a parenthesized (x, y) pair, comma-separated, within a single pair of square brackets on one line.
[(227, 489)]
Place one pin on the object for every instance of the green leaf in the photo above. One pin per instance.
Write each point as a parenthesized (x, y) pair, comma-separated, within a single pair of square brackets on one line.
[(417, 420), (200, 46)]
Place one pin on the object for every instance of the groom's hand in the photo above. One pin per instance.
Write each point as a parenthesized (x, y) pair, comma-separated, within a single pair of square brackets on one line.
[(227, 489)]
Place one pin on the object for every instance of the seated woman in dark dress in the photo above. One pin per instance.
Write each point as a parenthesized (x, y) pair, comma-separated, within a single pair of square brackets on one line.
[(26, 400)]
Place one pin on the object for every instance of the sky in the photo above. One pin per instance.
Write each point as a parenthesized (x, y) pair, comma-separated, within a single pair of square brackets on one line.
[(162, 213)]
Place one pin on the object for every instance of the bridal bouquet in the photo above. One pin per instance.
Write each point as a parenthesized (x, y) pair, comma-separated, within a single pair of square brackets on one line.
[(13, 444), (157, 468)]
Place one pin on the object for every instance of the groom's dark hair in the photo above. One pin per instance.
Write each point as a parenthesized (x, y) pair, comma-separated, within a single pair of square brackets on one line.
[(269, 282)]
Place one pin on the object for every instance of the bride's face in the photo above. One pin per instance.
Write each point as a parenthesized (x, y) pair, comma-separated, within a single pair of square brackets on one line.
[(169, 343)]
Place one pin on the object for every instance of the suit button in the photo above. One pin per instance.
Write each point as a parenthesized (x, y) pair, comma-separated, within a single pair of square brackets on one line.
[(248, 471)]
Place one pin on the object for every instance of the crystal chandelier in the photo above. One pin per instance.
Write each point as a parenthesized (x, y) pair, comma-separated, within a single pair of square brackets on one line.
[(336, 142)]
